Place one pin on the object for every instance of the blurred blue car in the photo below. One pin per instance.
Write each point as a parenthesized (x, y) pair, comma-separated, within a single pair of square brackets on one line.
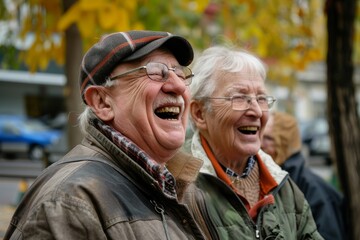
[(24, 135)]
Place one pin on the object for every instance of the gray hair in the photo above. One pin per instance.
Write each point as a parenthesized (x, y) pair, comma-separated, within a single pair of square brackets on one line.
[(83, 119), (86, 115), (216, 60)]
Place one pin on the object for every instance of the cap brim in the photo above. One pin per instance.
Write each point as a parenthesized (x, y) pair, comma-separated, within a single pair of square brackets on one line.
[(179, 46)]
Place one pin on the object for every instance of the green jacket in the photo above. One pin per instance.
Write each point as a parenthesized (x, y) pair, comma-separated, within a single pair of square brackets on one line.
[(222, 215)]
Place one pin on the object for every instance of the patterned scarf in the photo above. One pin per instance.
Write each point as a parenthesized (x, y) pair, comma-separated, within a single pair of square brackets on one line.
[(249, 166), (164, 178)]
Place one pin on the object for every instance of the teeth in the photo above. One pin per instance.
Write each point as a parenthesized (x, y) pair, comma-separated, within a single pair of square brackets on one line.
[(169, 113), (248, 128), (168, 110)]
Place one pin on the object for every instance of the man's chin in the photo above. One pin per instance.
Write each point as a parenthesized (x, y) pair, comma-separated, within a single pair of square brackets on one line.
[(173, 142)]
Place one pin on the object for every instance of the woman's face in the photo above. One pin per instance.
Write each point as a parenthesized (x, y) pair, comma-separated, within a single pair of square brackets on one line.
[(235, 135)]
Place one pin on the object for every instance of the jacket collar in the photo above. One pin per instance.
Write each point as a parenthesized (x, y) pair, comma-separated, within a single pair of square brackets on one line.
[(183, 166), (198, 151)]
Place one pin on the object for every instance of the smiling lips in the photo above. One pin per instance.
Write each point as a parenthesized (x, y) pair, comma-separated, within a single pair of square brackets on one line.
[(168, 113), (248, 130)]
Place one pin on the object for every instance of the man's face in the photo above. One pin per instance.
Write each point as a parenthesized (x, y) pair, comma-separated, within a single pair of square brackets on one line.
[(235, 135), (152, 114)]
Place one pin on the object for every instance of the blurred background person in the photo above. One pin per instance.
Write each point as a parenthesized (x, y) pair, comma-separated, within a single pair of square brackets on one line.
[(283, 142)]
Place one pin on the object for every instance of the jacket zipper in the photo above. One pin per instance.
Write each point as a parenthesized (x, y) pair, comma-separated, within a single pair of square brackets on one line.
[(160, 209), (257, 224), (248, 219), (257, 233)]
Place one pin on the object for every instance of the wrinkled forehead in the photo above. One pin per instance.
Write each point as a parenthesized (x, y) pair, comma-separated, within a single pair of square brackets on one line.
[(240, 79), (241, 76), (239, 82)]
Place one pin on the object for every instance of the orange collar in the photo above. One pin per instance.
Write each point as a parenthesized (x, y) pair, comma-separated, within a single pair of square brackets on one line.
[(218, 169), (267, 182)]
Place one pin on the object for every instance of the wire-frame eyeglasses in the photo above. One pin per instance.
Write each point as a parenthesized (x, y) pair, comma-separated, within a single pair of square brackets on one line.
[(160, 72), (243, 102)]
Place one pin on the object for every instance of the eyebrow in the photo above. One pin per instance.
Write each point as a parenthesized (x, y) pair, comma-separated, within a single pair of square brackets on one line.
[(243, 88), (238, 88)]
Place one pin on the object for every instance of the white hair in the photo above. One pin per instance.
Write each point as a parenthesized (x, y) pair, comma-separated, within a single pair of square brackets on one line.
[(219, 59)]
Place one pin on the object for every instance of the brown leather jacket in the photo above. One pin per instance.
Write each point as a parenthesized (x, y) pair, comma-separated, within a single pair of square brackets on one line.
[(98, 192)]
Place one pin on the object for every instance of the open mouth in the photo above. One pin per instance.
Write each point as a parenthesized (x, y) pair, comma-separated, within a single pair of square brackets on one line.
[(168, 113), (248, 130)]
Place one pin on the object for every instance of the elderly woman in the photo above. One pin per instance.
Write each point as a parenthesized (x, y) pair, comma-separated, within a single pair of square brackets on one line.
[(242, 193)]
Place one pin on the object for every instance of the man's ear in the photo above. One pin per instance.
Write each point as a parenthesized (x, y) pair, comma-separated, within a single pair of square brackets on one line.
[(198, 114), (100, 102)]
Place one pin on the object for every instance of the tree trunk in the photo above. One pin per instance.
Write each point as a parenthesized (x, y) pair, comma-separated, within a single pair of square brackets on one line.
[(73, 56), (344, 123)]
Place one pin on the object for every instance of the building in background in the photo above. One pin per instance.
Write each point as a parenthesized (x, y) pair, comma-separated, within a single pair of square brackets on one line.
[(38, 95), (308, 99)]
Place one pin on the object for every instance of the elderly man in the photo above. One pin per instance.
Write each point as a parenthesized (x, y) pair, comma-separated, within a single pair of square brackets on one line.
[(115, 184), (242, 193)]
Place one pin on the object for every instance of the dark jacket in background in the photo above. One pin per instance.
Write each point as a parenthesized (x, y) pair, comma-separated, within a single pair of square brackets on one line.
[(325, 201)]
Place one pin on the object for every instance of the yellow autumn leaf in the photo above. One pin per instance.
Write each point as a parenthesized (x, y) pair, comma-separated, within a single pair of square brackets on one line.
[(138, 26), (123, 21), (44, 59), (301, 65), (292, 57), (26, 28), (300, 46), (129, 5), (315, 55), (90, 5), (57, 52), (262, 49), (33, 2), (53, 6), (300, 12), (298, 61), (306, 30), (87, 27), (254, 30), (251, 7), (31, 59), (70, 17), (108, 16)]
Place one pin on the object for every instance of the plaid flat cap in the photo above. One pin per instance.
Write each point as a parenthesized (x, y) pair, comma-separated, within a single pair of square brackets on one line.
[(113, 49)]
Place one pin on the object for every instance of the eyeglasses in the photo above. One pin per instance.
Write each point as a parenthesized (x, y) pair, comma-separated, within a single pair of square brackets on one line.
[(243, 102), (160, 72)]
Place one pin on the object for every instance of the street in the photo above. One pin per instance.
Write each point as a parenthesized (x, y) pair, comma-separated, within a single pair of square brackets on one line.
[(15, 177)]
